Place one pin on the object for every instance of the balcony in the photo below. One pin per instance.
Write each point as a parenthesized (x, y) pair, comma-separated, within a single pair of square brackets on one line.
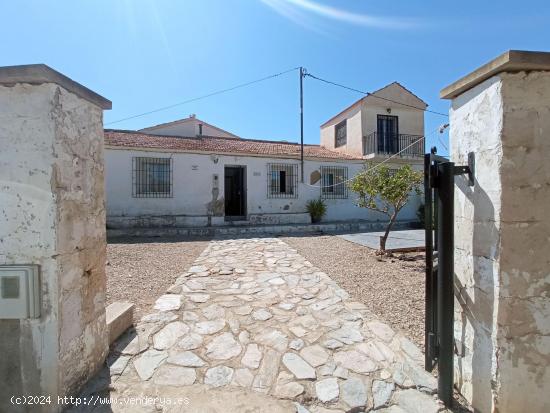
[(391, 144)]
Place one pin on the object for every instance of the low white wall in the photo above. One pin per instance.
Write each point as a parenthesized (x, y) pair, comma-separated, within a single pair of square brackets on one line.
[(193, 191)]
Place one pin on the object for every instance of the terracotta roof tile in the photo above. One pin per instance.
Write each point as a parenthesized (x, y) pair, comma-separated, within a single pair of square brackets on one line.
[(132, 139)]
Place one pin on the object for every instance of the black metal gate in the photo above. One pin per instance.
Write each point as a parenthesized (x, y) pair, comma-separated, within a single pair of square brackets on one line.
[(439, 175)]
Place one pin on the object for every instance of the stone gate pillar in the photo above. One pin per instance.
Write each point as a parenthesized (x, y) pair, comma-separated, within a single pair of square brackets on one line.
[(52, 215), (501, 113)]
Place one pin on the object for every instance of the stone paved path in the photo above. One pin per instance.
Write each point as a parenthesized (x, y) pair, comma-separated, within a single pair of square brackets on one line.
[(253, 326)]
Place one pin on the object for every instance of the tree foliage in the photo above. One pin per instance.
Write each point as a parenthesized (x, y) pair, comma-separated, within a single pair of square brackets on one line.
[(386, 190)]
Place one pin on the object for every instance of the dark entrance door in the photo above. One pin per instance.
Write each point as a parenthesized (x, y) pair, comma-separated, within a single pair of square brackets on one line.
[(388, 133), (235, 192)]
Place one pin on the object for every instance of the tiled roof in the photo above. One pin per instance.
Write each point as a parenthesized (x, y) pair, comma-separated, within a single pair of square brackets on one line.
[(132, 139)]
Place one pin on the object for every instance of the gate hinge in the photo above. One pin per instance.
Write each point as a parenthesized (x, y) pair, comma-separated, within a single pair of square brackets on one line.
[(470, 169)]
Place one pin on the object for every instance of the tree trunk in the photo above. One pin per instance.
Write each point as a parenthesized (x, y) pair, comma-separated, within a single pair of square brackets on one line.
[(384, 238)]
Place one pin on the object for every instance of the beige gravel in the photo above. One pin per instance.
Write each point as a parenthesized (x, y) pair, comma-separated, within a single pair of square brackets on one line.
[(140, 270), (391, 288)]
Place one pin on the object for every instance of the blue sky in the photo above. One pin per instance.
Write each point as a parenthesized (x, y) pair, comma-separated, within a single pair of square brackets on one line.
[(145, 54)]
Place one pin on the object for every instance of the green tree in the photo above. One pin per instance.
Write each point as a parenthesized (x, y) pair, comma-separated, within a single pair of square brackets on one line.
[(386, 190)]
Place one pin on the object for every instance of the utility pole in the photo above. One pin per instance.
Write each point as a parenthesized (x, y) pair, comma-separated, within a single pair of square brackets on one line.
[(302, 74)]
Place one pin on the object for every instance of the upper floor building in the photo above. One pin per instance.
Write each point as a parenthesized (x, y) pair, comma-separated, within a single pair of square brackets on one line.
[(376, 126)]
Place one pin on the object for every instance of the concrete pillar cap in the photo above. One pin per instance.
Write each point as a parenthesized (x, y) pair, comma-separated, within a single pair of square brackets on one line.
[(510, 61), (41, 73)]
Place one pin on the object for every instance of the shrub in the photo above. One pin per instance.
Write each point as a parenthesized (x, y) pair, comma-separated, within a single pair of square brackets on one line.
[(317, 209)]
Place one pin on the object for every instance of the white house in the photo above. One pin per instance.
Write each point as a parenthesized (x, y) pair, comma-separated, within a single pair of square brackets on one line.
[(191, 173)]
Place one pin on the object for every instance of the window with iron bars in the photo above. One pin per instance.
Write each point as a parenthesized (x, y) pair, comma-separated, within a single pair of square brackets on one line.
[(152, 177), (282, 180), (340, 134), (333, 182)]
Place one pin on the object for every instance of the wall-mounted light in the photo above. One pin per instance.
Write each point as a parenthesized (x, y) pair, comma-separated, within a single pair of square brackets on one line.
[(388, 110)]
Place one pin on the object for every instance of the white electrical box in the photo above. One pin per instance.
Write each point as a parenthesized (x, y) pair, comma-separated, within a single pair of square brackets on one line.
[(19, 291)]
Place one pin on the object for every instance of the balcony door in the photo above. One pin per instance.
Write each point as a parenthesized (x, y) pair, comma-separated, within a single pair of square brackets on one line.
[(388, 134)]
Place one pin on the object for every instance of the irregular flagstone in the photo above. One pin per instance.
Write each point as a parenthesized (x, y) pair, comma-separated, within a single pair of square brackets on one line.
[(286, 306), (411, 349), (197, 269), (300, 408), (162, 317), (169, 335), (118, 364), (209, 327), (320, 305), (243, 310), (353, 393), (147, 363), (420, 377), (190, 342), (315, 355), (298, 366), (186, 359), (223, 347), (282, 305), (381, 392), (327, 389), (288, 390), (243, 378), (189, 316), (341, 372), (252, 356), (298, 331), (267, 372), (332, 344), (168, 302), (261, 315), (347, 335), (199, 298), (327, 369), (381, 330), (214, 312), (371, 350), (168, 375), (218, 376), (355, 361), (296, 344), (416, 402), (272, 338)]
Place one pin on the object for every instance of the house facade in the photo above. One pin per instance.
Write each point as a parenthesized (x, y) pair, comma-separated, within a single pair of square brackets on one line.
[(189, 173), (376, 126)]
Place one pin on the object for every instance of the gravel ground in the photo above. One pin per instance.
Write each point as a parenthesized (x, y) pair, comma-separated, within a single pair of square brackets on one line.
[(140, 270), (392, 289)]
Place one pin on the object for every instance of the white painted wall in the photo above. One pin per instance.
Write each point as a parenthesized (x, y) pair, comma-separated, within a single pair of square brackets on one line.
[(52, 213), (193, 184), (502, 226), (362, 121), (188, 128)]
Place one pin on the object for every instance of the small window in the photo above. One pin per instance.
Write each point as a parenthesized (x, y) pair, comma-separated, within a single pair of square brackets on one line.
[(152, 177), (340, 134), (334, 182), (282, 180)]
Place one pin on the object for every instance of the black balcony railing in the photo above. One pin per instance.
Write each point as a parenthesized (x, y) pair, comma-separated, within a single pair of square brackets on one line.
[(391, 144)]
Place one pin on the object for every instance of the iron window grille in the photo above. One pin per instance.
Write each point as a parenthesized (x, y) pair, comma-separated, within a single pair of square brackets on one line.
[(152, 177), (282, 180), (340, 134), (334, 182)]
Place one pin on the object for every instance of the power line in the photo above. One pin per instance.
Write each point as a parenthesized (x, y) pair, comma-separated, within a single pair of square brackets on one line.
[(218, 92), (373, 95)]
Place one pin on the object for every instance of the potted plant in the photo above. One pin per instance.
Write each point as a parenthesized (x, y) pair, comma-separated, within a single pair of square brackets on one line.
[(317, 209)]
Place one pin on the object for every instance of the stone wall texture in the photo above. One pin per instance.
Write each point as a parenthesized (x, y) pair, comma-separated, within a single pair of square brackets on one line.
[(52, 213), (502, 265)]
